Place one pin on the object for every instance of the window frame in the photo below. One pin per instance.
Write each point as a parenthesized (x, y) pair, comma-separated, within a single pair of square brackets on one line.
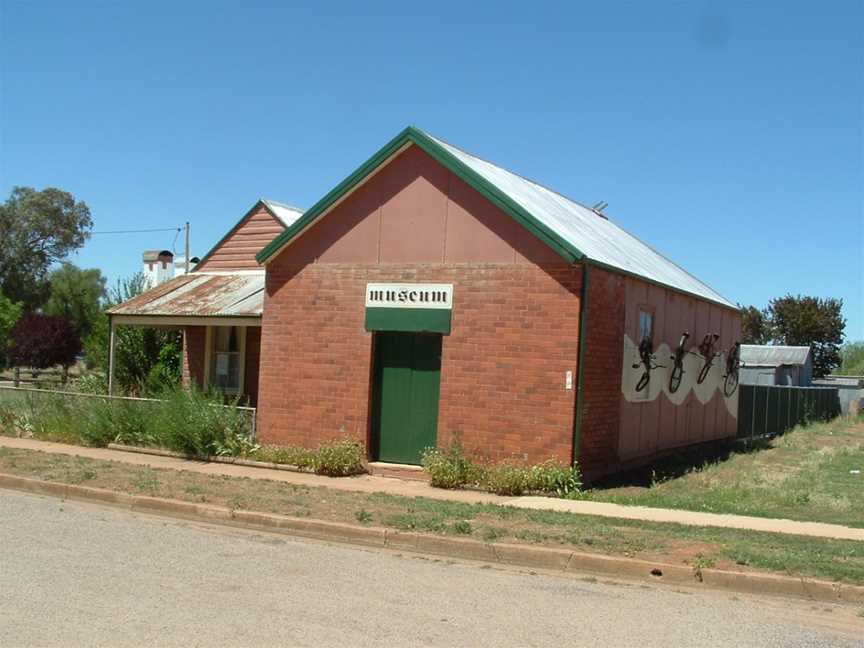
[(210, 356), (644, 395)]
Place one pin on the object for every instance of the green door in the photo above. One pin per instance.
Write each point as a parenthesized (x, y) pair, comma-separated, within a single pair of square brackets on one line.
[(405, 399)]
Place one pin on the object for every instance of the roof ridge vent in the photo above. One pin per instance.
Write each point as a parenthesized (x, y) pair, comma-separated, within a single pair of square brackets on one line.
[(599, 207)]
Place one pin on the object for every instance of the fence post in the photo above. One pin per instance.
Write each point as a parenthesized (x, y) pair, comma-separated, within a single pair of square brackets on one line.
[(111, 354), (16, 377)]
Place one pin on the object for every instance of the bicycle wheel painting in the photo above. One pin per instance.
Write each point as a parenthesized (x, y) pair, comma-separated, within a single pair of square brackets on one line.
[(675, 378), (730, 384), (643, 381)]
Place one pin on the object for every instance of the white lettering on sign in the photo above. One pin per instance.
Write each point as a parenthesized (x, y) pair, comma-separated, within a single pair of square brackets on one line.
[(438, 296)]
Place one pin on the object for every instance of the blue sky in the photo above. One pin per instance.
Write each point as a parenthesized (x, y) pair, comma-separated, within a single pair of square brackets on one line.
[(726, 134)]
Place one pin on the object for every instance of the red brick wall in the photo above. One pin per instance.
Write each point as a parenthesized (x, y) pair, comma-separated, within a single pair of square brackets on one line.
[(601, 412), (194, 342), (514, 336)]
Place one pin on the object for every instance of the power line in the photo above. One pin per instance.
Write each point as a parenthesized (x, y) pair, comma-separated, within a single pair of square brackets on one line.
[(141, 231)]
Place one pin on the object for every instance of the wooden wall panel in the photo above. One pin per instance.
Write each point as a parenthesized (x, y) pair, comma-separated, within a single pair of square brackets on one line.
[(237, 251)]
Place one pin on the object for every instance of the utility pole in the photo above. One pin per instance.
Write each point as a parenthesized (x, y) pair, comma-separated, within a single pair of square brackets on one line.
[(186, 265)]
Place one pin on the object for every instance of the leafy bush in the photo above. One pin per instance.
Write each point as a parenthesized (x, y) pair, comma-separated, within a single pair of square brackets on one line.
[(506, 478), (553, 477), (339, 459), (292, 456), (196, 423), (92, 383), (450, 468)]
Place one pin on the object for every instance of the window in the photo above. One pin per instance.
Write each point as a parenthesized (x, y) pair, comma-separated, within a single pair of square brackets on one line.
[(646, 325), (646, 337), (226, 358)]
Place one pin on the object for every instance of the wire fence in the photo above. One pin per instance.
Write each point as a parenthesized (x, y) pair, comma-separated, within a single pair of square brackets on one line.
[(30, 397)]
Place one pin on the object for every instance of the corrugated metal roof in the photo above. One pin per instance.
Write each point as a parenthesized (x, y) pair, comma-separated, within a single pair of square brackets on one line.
[(200, 294), (757, 355), (285, 213), (598, 238)]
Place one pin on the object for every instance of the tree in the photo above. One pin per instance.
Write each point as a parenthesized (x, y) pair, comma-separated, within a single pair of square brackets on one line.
[(852, 355), (755, 327), (77, 295), (43, 341), (145, 359), (810, 321), (9, 314), (37, 229)]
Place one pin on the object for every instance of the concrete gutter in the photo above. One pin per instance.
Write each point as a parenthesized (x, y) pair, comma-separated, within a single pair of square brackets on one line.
[(524, 556)]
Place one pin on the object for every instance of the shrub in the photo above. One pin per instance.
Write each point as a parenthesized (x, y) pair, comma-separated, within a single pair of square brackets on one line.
[(339, 459), (554, 478), (196, 423), (506, 478), (292, 456), (450, 468), (92, 383)]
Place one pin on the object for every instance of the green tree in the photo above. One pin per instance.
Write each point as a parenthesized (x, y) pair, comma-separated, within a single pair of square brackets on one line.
[(755, 326), (9, 314), (146, 360), (37, 229), (810, 321), (77, 295), (852, 355)]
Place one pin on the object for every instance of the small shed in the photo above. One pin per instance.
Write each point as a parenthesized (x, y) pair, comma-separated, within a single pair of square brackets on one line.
[(776, 365)]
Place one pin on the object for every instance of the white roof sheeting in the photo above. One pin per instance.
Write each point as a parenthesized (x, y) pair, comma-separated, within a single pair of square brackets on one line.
[(598, 238), (285, 213), (758, 355)]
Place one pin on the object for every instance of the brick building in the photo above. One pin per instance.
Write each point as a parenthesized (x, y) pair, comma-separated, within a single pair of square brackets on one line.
[(218, 306), (432, 298)]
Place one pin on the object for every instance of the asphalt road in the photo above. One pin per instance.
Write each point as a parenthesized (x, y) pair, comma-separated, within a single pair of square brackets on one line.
[(74, 574)]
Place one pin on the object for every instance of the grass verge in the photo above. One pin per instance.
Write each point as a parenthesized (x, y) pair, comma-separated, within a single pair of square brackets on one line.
[(813, 473), (697, 547)]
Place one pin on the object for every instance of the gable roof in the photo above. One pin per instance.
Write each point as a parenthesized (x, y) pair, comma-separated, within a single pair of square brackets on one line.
[(572, 230), (285, 214)]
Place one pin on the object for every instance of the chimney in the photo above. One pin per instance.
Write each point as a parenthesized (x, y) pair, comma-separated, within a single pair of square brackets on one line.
[(158, 266)]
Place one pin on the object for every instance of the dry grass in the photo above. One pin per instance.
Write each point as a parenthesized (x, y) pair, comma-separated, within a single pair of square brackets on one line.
[(806, 474)]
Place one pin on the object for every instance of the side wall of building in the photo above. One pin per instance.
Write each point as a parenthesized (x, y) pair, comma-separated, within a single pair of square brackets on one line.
[(622, 426), (601, 409), (238, 249), (514, 321), (658, 419)]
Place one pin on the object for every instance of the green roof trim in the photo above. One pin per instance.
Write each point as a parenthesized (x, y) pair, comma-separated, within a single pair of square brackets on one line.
[(417, 137)]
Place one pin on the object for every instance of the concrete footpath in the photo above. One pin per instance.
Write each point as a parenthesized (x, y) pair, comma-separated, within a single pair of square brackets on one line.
[(413, 488)]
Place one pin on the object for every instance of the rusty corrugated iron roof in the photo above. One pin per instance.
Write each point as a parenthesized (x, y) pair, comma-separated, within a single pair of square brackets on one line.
[(200, 294)]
